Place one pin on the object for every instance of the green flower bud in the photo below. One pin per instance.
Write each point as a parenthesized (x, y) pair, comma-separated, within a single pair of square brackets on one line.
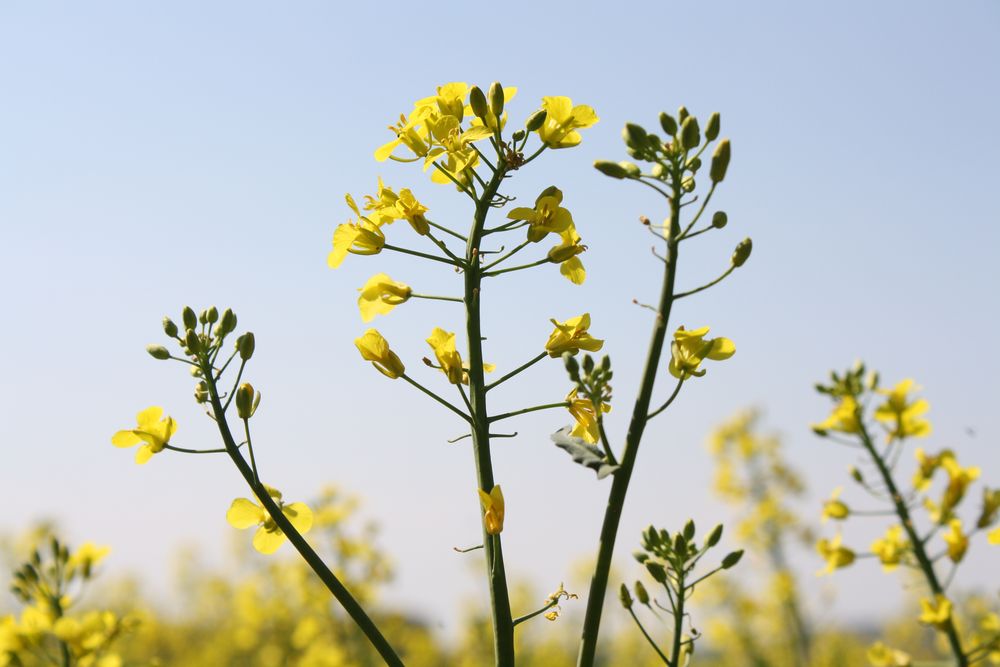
[(690, 133), (158, 352), (688, 184), (192, 341), (588, 364), (640, 556), (228, 322), (245, 401), (203, 316), (658, 170), (212, 316), (720, 161), (641, 593), (536, 120), (606, 364), (631, 169), (682, 114), (189, 319), (496, 99), (201, 392), (656, 571), (714, 537), (689, 530), (742, 252), (712, 129), (245, 344), (477, 100), (518, 135), (680, 544), (732, 559), (694, 164), (572, 366), (856, 475), (169, 327), (668, 123), (609, 168), (719, 219), (634, 136), (625, 597)]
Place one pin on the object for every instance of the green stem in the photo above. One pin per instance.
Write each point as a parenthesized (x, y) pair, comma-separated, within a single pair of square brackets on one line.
[(649, 639), (436, 397), (503, 625), (544, 260), (522, 411), (516, 371), (528, 617), (436, 298), (919, 550), (509, 254), (678, 619), (417, 253), (622, 476), (732, 267), (446, 230), (339, 591), (670, 400)]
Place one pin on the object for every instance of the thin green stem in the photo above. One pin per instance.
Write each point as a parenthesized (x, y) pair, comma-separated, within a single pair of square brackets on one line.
[(516, 249), (528, 617), (431, 297), (666, 404), (446, 230), (621, 478), (649, 639), (490, 274), (732, 267), (436, 398), (232, 392), (701, 209), (514, 372), (679, 619), (444, 248), (424, 255), (339, 591), (522, 411), (253, 461), (184, 450), (461, 186)]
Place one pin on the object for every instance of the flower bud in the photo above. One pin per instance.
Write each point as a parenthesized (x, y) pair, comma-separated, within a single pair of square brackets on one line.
[(631, 169), (477, 100), (245, 344), (719, 219), (560, 253), (656, 571), (742, 252), (712, 128), (689, 530), (189, 319), (658, 170), (158, 352), (536, 120), (201, 392), (856, 475), (720, 161), (572, 365), (682, 114), (496, 99), (714, 537), (694, 164), (641, 594), (668, 123), (690, 133), (609, 168), (169, 327), (212, 315), (228, 322), (634, 136), (246, 401), (517, 136), (625, 597), (732, 559), (192, 341)]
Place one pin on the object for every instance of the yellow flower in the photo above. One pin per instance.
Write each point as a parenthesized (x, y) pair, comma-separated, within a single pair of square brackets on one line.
[(586, 417), (565, 254), (572, 336), (891, 548), (689, 349), (547, 217), (85, 558), (449, 101), (152, 430), (374, 348), (359, 238), (993, 537), (957, 541), (959, 479), (493, 508), (412, 211), (935, 611), (381, 207), (380, 295), (844, 418), (835, 555), (244, 513), (880, 655), (443, 344), (562, 120), (927, 465), (834, 508), (410, 132), (905, 417)]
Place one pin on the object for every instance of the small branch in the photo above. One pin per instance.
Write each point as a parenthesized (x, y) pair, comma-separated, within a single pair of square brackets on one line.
[(447, 231), (417, 253), (490, 274), (670, 400), (437, 398), (516, 371), (465, 551), (496, 418), (432, 297), (500, 259), (649, 639), (527, 617), (732, 267)]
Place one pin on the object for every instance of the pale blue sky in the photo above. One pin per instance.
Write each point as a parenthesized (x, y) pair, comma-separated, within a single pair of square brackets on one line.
[(159, 154)]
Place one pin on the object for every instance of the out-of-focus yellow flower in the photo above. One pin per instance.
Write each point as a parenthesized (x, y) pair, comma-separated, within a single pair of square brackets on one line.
[(959, 479), (493, 509), (844, 418), (547, 217), (890, 548), (991, 508), (443, 344), (85, 558), (957, 541), (993, 537), (151, 430), (245, 513), (689, 349), (586, 417), (562, 120), (935, 611), (834, 553), (834, 508), (572, 336), (880, 655), (374, 348), (380, 295), (926, 467), (905, 417)]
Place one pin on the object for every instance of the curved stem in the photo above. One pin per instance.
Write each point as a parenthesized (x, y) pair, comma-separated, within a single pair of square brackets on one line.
[(528, 617), (670, 400), (732, 267), (649, 639)]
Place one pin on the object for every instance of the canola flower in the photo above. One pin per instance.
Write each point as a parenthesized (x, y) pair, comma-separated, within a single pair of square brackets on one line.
[(903, 415), (380, 294), (586, 416), (835, 554), (572, 336), (689, 349), (245, 513), (374, 348), (891, 548), (152, 429), (493, 509), (562, 120)]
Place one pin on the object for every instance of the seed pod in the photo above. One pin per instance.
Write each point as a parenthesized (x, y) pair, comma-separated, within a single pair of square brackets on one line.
[(477, 100), (496, 99), (720, 161), (188, 317), (742, 252), (668, 123), (158, 352), (536, 120), (169, 327), (712, 128), (720, 219), (609, 168), (690, 133)]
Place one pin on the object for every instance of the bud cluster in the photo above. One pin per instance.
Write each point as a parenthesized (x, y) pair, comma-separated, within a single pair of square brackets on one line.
[(595, 380)]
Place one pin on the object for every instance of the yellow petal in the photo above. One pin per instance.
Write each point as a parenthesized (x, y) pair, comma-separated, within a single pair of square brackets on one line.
[(573, 269), (722, 348), (143, 454), (267, 542), (299, 515), (125, 439), (244, 513), (149, 417), (383, 152)]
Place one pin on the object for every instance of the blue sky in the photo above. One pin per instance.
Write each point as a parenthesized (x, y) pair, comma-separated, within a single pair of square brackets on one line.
[(155, 155)]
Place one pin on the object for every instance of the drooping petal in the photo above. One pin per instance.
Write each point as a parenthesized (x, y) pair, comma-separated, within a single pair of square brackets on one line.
[(244, 513), (149, 417), (143, 454)]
